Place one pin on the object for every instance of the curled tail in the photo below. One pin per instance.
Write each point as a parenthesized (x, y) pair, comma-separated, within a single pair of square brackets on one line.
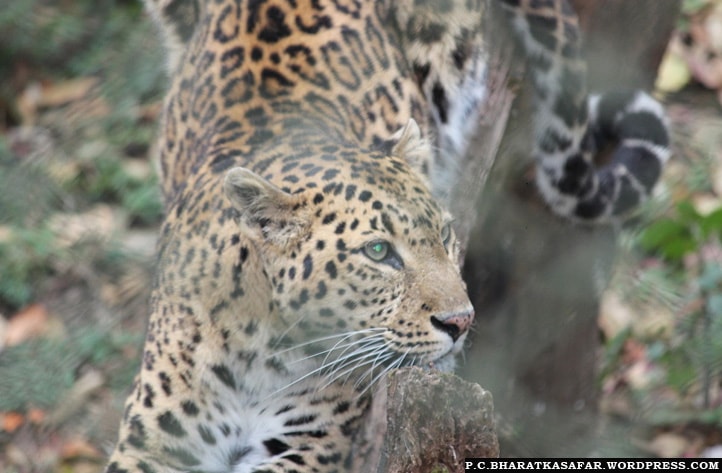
[(571, 126)]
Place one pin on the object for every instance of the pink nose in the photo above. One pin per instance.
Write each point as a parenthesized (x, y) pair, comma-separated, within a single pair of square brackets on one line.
[(455, 324)]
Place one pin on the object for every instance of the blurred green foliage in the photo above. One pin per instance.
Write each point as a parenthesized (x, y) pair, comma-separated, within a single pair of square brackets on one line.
[(51, 41), (689, 246), (38, 373), (78, 38), (692, 6), (675, 237), (25, 260)]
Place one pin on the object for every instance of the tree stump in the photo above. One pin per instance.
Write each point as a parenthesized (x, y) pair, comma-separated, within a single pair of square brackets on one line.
[(426, 421)]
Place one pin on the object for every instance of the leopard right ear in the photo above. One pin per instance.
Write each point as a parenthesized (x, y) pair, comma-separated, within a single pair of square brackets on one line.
[(409, 145), (266, 211)]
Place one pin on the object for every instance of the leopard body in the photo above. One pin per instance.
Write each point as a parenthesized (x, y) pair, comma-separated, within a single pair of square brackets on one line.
[(304, 151)]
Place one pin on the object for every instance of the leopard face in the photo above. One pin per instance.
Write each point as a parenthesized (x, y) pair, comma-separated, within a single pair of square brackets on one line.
[(363, 256)]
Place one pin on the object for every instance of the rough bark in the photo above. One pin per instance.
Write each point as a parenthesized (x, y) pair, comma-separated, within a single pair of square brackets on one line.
[(626, 39), (427, 422)]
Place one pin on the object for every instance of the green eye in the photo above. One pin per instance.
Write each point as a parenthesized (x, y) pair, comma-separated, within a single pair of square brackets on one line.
[(377, 250), (446, 234)]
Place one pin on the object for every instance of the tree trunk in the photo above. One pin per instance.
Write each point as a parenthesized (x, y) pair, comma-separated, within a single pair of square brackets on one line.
[(535, 280), (626, 39)]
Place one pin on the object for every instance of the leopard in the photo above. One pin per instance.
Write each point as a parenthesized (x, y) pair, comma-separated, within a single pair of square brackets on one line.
[(304, 150)]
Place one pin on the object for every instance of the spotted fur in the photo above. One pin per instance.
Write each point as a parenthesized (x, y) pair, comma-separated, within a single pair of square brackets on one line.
[(303, 254)]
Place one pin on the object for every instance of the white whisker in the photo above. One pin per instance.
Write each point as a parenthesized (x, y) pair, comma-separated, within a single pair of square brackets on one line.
[(366, 341), (356, 366), (328, 351), (353, 358), (328, 337), (395, 364), (362, 353), (364, 347), (371, 370), (399, 362)]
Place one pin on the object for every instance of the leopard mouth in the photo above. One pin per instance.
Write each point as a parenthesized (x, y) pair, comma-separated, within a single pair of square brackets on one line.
[(444, 362)]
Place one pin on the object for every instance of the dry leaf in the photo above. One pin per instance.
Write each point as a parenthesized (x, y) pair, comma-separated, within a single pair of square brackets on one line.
[(62, 171), (717, 177), (61, 93), (31, 143), (654, 321), (79, 448), (705, 204), (35, 415), (16, 456), (11, 421), (137, 169), (673, 73), (27, 103), (642, 375), (37, 96), (99, 223), (614, 315), (644, 320), (3, 331), (6, 233), (29, 323), (616, 404), (668, 445), (634, 351), (81, 467), (150, 112)]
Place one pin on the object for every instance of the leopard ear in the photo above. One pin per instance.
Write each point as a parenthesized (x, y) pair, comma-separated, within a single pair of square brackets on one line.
[(408, 144), (266, 211)]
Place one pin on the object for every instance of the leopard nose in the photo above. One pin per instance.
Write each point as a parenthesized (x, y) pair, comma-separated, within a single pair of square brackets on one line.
[(455, 324)]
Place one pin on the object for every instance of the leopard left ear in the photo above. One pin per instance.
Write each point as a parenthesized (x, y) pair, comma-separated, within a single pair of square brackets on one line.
[(266, 211), (408, 144)]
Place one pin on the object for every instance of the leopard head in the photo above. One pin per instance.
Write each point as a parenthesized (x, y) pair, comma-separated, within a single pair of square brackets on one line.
[(363, 269)]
